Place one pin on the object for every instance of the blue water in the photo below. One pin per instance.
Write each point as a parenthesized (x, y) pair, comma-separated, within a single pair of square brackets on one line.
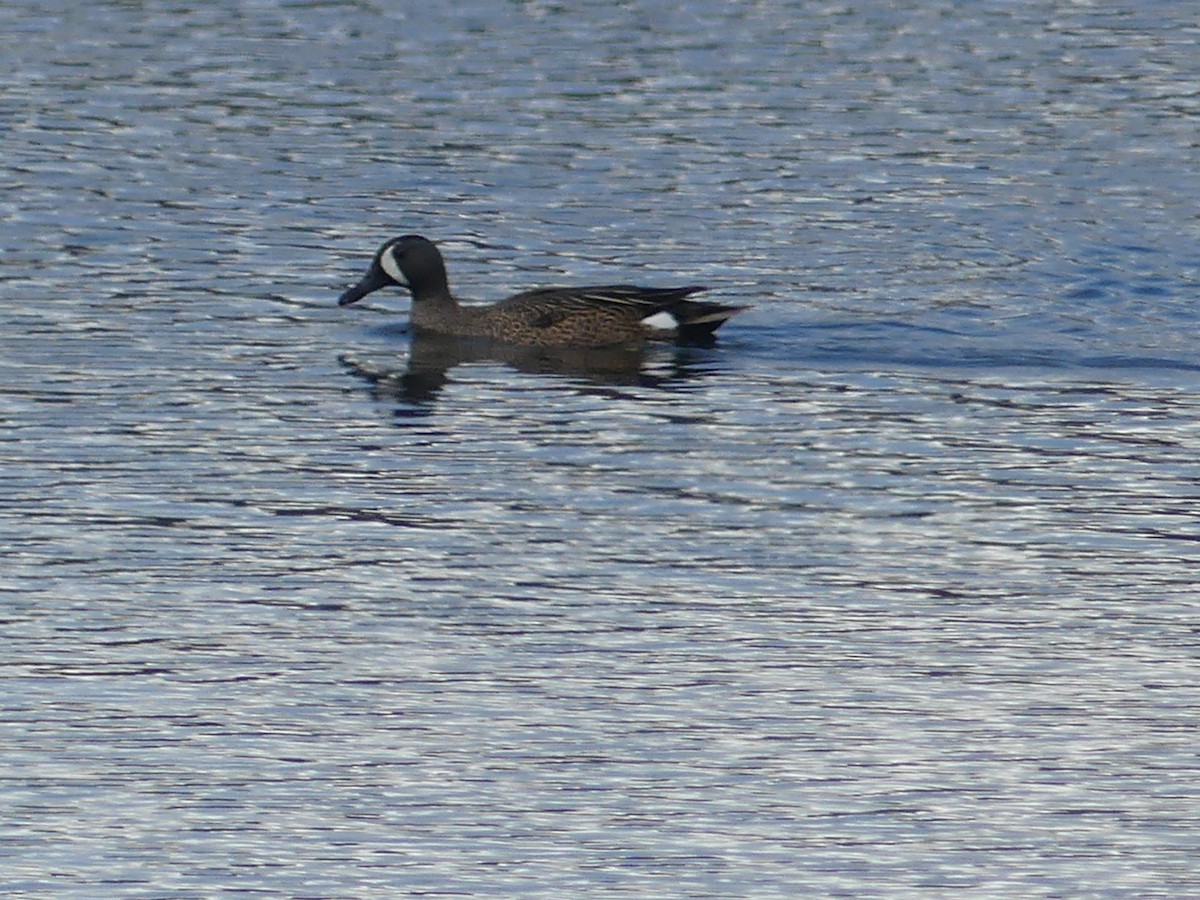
[(890, 593)]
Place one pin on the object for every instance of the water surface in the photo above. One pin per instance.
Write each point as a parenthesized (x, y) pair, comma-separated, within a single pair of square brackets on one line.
[(890, 593)]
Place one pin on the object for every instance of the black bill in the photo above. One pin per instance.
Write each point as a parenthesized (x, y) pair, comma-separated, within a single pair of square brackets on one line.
[(375, 279)]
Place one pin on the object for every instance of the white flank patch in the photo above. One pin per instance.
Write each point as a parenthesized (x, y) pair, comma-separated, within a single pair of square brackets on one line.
[(662, 321), (389, 265)]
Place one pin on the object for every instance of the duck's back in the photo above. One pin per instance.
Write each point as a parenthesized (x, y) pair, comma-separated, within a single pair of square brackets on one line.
[(585, 316)]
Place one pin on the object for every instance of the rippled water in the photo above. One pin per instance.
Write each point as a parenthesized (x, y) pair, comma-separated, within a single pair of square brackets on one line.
[(890, 593)]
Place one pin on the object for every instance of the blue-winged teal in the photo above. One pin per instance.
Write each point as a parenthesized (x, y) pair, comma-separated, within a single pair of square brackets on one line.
[(556, 316)]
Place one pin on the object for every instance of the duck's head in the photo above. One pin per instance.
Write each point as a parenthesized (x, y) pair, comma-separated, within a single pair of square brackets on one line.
[(410, 262)]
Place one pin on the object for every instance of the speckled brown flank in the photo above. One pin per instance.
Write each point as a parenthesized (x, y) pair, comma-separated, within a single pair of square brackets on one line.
[(586, 317)]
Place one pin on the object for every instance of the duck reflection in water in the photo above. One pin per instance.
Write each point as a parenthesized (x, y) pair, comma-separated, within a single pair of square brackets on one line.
[(432, 356)]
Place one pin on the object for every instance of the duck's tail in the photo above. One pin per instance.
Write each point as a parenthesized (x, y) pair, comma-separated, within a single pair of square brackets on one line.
[(698, 319)]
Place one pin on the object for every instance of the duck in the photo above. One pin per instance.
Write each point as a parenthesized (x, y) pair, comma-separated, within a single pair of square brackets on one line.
[(597, 316)]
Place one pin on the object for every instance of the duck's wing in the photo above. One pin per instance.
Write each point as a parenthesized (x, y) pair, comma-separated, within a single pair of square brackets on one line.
[(557, 303)]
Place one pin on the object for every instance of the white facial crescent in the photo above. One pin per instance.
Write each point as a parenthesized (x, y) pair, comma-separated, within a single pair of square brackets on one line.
[(388, 263)]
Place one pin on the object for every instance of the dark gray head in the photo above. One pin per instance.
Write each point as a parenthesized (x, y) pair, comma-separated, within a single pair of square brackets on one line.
[(410, 262)]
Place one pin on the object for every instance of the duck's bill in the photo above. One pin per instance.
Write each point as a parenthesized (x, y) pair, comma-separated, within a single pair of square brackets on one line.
[(372, 281)]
